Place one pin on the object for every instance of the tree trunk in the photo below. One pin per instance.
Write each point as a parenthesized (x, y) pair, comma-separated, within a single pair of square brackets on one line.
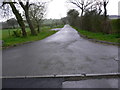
[(105, 10), (19, 18), (82, 13), (29, 22), (105, 13), (38, 28), (81, 23)]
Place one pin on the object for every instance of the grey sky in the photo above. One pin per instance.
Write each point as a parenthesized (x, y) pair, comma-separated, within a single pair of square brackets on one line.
[(58, 8)]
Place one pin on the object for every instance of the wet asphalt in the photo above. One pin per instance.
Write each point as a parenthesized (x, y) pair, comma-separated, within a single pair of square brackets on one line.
[(92, 83), (61, 83), (62, 53), (32, 83)]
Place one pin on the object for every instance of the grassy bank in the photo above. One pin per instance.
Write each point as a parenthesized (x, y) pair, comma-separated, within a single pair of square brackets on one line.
[(99, 36), (12, 40)]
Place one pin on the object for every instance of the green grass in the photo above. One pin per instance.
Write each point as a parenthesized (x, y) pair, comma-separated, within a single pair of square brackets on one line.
[(99, 36), (11, 40)]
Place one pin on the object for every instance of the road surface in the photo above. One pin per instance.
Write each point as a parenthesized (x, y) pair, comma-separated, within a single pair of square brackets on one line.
[(61, 83), (62, 53)]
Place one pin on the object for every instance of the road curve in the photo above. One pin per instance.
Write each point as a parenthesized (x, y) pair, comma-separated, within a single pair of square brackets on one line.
[(62, 53)]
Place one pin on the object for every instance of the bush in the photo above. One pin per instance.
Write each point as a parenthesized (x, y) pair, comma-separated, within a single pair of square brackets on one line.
[(94, 22), (115, 26), (72, 17), (17, 33)]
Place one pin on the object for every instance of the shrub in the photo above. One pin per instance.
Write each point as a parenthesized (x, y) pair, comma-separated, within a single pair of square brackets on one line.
[(17, 33), (94, 22), (115, 26)]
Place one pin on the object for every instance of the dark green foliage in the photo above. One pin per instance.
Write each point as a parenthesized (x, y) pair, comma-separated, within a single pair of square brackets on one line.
[(116, 25), (72, 17), (17, 33), (64, 20), (94, 22)]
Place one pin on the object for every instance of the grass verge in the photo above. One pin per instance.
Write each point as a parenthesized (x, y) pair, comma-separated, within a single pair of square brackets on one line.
[(100, 36), (12, 41)]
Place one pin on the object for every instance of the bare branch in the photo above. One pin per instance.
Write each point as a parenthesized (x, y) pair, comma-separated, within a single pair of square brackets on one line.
[(82, 4)]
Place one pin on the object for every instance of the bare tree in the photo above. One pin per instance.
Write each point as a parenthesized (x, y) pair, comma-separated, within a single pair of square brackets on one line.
[(98, 6), (17, 15), (82, 4), (26, 10), (37, 12)]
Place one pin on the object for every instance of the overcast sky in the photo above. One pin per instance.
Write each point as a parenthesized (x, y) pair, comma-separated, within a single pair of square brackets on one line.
[(58, 8)]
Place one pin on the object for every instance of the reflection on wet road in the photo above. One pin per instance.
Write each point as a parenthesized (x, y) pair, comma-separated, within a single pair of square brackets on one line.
[(62, 53)]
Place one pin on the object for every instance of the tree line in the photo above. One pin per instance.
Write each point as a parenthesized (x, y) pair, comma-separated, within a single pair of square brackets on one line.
[(10, 23), (92, 17)]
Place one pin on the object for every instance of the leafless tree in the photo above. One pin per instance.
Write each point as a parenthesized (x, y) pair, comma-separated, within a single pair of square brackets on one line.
[(37, 12), (98, 6), (82, 4)]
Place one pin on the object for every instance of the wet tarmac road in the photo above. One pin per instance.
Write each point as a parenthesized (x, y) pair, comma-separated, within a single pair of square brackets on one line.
[(61, 83), (62, 53)]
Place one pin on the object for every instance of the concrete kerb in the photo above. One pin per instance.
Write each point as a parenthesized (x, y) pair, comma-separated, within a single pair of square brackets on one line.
[(68, 77)]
